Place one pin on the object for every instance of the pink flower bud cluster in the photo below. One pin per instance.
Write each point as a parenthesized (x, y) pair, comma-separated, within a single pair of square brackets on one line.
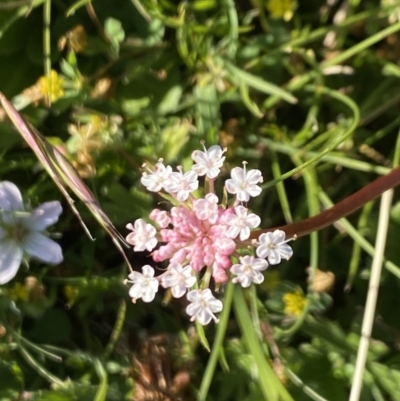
[(199, 237), (197, 242)]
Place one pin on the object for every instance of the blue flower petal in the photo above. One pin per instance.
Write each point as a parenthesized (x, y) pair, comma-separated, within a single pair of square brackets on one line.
[(10, 260)]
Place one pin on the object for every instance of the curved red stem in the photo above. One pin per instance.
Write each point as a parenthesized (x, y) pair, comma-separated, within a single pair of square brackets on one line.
[(341, 209)]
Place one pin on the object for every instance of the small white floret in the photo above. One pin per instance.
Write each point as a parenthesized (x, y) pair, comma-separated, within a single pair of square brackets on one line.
[(182, 185), (274, 247), (243, 183), (249, 271), (202, 306), (145, 285), (142, 237), (209, 162), (154, 180), (241, 222), (178, 278)]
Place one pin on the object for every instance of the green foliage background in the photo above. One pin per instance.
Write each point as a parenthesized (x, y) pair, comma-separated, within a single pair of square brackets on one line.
[(315, 88)]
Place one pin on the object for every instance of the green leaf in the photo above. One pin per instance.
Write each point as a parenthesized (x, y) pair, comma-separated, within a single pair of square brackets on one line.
[(271, 387), (174, 138), (328, 331), (171, 99), (239, 77), (115, 33), (73, 391), (208, 119), (11, 381), (388, 378), (395, 212), (78, 4), (202, 336)]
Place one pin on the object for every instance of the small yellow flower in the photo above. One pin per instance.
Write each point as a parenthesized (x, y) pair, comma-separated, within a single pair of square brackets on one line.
[(282, 9), (294, 303), (18, 292), (51, 87)]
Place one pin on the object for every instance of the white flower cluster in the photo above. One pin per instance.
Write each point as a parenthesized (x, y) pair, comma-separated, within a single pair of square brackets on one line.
[(22, 232), (200, 233)]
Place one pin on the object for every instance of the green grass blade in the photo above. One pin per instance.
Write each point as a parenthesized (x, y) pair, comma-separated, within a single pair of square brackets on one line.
[(240, 76), (271, 387)]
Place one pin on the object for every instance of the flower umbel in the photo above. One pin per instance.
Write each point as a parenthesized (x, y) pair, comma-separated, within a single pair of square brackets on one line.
[(22, 232), (200, 236)]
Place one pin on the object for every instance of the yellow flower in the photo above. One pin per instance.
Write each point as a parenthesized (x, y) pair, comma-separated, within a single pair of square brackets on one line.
[(282, 8), (18, 292), (294, 303), (51, 87)]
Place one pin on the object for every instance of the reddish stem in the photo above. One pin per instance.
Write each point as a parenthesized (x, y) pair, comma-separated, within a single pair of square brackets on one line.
[(341, 209)]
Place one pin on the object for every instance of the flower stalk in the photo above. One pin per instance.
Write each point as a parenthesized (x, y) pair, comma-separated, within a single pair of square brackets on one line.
[(340, 210)]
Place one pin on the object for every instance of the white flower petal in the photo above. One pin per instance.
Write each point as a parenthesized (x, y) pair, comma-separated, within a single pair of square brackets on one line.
[(10, 197), (253, 221), (254, 177), (193, 308), (135, 276), (263, 251), (278, 236), (258, 278), (204, 317), (10, 261), (178, 291), (233, 231), (274, 258), (244, 233), (37, 245), (242, 195), (136, 291), (149, 293), (238, 174), (148, 271), (43, 216)]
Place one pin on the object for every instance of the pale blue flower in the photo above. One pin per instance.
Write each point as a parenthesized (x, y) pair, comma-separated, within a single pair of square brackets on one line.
[(21, 232)]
